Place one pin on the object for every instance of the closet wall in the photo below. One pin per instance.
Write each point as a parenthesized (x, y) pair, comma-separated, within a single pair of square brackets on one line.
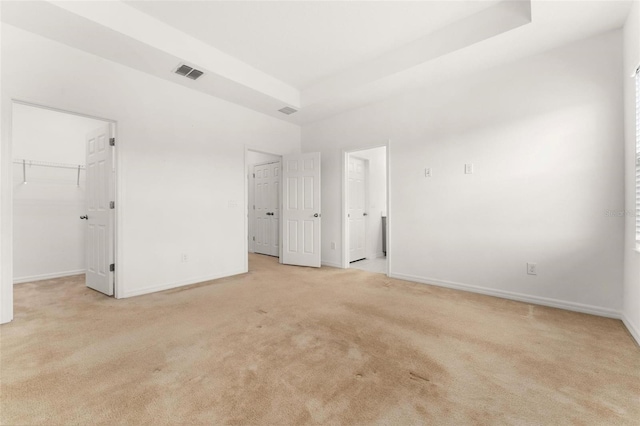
[(48, 235)]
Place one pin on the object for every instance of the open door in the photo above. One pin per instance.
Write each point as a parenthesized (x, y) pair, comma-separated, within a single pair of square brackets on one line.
[(99, 247), (301, 209), (267, 208), (357, 210)]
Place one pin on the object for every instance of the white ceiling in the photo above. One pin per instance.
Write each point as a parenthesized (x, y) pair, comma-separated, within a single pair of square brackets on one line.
[(303, 42), (321, 57)]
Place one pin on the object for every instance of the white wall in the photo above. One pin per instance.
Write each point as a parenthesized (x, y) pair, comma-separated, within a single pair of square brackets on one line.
[(631, 311), (545, 137), (376, 196), (254, 158), (181, 170), (49, 237)]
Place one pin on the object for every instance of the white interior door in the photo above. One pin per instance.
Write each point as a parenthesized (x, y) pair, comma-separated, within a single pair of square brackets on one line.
[(274, 200), (267, 208), (356, 209), (99, 248), (301, 209)]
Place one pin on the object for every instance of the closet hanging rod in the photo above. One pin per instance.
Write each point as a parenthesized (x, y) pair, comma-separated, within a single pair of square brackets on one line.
[(26, 163), (48, 164)]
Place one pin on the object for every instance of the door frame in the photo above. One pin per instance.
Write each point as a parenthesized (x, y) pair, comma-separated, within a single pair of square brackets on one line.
[(6, 188), (245, 171), (345, 206)]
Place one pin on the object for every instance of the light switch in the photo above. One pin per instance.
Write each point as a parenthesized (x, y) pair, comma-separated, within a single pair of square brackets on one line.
[(427, 172), (468, 169)]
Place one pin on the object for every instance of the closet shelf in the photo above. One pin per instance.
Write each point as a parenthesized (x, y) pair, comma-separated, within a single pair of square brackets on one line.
[(37, 163)]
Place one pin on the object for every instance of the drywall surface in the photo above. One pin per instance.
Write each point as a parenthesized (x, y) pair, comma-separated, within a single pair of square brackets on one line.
[(376, 196), (48, 235), (180, 157), (631, 310), (254, 158), (545, 137)]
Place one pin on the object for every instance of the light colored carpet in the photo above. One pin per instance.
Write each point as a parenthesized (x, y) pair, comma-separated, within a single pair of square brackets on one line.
[(286, 345)]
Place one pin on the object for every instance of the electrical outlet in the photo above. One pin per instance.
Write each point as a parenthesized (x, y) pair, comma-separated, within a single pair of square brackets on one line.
[(185, 258), (427, 172), (333, 245), (532, 268), (468, 169)]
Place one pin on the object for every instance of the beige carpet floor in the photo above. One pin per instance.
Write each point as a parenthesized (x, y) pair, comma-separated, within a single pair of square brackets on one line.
[(285, 345)]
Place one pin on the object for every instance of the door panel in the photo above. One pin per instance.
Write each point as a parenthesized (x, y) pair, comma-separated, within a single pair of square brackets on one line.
[(274, 200), (267, 211), (357, 214), (301, 213), (99, 249), (261, 208)]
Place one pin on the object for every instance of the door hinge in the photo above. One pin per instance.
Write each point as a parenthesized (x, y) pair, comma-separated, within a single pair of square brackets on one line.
[(254, 238), (112, 267), (112, 204), (254, 175), (112, 141), (254, 206)]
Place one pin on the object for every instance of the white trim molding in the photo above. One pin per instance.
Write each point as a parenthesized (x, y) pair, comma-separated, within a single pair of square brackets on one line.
[(176, 284), (520, 297), (633, 330), (42, 277), (331, 264)]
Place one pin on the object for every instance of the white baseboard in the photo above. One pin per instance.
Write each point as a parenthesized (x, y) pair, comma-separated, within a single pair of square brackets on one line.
[(633, 330), (176, 284), (520, 297), (42, 277), (331, 264)]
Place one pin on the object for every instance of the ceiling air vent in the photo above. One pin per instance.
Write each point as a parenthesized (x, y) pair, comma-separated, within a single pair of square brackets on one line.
[(187, 71), (288, 110)]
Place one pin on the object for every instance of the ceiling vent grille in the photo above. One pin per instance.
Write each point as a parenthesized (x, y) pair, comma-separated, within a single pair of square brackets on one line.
[(187, 71), (287, 110)]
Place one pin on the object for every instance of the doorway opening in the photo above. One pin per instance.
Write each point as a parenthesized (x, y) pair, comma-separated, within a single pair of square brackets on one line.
[(365, 209), (283, 216), (63, 198), (264, 195)]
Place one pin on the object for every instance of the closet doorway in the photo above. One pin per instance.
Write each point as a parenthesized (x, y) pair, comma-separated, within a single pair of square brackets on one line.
[(63, 198), (264, 172), (284, 207)]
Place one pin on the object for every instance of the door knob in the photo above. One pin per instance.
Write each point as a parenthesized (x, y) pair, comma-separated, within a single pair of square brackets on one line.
[(85, 217), (365, 214), (316, 215)]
